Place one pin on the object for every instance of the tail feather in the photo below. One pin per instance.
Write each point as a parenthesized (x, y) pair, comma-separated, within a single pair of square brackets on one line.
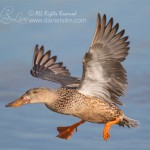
[(131, 123)]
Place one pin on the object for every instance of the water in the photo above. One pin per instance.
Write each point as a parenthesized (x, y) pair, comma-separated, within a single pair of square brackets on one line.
[(34, 126)]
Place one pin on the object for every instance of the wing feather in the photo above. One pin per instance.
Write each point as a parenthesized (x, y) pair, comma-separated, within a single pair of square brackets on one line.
[(45, 58), (108, 28), (50, 61), (46, 68), (103, 74), (39, 56)]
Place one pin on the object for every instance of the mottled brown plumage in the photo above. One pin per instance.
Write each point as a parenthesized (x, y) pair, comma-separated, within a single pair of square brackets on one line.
[(95, 96)]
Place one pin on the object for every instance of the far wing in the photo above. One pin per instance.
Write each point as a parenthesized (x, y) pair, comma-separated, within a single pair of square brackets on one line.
[(103, 74), (46, 68)]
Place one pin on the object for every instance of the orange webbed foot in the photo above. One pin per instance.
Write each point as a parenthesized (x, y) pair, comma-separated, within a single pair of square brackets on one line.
[(66, 132), (106, 133), (107, 127)]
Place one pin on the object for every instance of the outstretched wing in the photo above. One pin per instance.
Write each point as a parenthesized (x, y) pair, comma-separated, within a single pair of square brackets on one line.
[(103, 74), (46, 68)]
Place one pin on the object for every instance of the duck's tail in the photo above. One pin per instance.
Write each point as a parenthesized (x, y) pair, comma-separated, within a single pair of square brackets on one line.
[(131, 123)]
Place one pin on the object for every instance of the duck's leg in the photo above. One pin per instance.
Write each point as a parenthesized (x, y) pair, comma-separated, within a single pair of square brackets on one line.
[(107, 127), (66, 132)]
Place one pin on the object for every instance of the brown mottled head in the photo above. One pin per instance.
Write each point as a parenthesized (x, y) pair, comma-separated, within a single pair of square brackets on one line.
[(35, 95)]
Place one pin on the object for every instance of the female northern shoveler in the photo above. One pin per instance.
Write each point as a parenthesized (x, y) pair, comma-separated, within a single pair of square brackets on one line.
[(93, 98)]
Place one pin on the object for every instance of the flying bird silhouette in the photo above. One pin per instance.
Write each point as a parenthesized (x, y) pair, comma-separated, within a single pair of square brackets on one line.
[(95, 96)]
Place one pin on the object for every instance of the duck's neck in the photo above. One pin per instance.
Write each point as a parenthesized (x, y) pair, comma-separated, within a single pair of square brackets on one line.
[(48, 96)]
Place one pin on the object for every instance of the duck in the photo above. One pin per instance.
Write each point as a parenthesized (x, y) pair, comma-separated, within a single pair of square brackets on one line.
[(95, 97)]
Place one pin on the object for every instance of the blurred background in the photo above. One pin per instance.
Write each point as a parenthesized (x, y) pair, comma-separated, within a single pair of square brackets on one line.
[(23, 24)]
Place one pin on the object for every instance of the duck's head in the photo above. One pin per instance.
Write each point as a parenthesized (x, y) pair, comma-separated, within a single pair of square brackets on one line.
[(35, 95)]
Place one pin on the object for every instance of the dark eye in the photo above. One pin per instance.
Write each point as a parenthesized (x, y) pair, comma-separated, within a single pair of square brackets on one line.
[(34, 92)]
